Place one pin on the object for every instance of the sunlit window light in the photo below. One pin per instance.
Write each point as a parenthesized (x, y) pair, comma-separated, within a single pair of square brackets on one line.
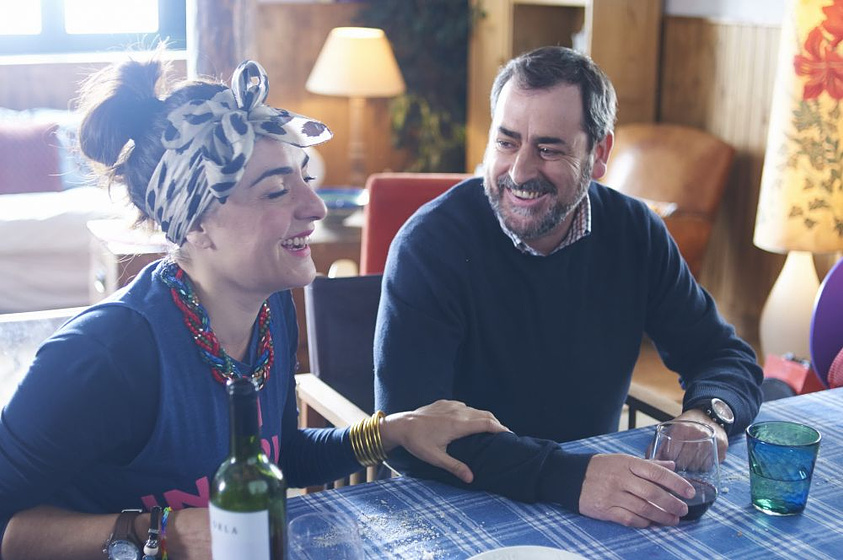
[(110, 16), (20, 18)]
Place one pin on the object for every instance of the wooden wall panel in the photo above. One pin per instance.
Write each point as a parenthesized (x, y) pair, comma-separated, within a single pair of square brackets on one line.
[(719, 77), (290, 37), (52, 84)]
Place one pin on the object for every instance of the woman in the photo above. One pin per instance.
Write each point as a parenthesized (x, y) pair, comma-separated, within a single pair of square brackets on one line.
[(125, 406)]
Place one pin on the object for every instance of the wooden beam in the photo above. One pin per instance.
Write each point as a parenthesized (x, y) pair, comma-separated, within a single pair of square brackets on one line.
[(220, 35)]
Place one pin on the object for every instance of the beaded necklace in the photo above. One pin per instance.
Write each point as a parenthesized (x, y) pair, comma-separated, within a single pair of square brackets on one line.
[(196, 318)]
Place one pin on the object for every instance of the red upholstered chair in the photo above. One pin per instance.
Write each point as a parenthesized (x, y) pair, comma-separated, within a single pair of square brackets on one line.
[(394, 197)]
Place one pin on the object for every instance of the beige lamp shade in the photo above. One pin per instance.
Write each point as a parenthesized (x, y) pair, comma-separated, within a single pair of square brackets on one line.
[(800, 206), (356, 62)]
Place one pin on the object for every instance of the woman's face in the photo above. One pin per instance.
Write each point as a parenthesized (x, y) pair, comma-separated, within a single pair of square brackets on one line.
[(258, 239)]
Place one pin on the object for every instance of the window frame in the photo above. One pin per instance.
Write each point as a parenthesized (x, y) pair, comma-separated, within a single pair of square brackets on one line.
[(172, 25)]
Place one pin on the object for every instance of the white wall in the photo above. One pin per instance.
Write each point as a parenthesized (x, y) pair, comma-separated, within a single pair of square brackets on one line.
[(759, 12)]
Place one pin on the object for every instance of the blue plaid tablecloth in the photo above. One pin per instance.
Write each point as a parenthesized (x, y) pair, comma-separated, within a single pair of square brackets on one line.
[(409, 518)]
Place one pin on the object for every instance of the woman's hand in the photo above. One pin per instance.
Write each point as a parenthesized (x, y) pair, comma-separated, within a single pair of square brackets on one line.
[(427, 431)]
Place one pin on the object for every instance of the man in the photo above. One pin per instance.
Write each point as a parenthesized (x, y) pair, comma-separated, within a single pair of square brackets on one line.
[(528, 293)]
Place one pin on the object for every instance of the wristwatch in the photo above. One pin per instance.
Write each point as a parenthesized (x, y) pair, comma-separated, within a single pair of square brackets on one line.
[(121, 545), (719, 411)]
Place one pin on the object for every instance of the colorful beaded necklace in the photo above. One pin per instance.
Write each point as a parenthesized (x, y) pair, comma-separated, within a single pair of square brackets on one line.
[(196, 318)]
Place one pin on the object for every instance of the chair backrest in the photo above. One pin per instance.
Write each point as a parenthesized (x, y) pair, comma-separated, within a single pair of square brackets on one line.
[(20, 336), (676, 164), (341, 314), (827, 329), (393, 198)]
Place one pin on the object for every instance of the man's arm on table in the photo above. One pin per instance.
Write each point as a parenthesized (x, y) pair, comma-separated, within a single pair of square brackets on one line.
[(618, 488), (695, 341)]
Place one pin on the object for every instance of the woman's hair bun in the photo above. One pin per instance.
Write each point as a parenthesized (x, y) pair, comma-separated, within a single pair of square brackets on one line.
[(119, 104)]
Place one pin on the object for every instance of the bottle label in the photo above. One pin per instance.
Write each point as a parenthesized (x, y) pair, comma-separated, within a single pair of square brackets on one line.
[(237, 536)]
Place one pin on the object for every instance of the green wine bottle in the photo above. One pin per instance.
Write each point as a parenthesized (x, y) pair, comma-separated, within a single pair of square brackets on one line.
[(248, 498)]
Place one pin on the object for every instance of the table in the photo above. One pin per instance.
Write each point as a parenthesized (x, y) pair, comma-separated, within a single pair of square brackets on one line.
[(409, 518)]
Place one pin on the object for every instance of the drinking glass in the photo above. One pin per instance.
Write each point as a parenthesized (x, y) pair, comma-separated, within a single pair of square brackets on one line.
[(324, 536), (781, 463), (692, 446)]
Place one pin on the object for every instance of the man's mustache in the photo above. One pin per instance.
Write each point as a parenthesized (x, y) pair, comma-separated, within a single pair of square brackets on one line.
[(537, 185)]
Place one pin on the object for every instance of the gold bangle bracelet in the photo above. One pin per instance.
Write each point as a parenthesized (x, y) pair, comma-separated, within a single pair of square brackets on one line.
[(374, 440), (354, 436), (379, 442), (366, 442), (369, 436)]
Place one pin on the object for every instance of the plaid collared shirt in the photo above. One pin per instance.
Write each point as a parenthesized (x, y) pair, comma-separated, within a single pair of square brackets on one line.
[(580, 227)]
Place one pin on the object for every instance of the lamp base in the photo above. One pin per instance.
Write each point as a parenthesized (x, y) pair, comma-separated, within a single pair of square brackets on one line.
[(356, 147), (786, 318)]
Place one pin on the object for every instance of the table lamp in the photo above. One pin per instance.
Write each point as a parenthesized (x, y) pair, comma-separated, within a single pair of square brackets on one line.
[(356, 62), (800, 206)]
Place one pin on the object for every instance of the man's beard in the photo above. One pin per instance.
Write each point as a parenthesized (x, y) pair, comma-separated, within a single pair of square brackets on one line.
[(540, 225)]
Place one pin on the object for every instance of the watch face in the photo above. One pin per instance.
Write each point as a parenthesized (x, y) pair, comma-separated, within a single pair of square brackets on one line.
[(123, 550), (722, 410)]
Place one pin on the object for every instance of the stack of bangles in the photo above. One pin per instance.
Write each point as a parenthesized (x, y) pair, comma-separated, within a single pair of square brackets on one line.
[(366, 441)]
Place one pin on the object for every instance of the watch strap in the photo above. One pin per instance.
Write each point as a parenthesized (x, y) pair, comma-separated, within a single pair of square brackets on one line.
[(123, 529)]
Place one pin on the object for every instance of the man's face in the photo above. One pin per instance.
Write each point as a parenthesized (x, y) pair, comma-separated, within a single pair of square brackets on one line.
[(537, 163)]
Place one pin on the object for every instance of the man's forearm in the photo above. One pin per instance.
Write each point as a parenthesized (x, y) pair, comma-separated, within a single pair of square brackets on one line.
[(521, 468)]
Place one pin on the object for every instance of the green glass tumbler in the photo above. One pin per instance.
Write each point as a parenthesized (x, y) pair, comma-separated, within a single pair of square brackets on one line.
[(781, 463)]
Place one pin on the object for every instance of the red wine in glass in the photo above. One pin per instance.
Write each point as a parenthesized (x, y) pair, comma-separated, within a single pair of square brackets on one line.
[(702, 500), (692, 447)]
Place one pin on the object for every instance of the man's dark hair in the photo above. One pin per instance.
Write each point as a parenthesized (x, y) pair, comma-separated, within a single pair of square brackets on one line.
[(547, 67)]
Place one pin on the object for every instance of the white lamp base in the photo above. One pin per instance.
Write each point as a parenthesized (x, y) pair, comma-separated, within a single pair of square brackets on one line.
[(786, 318)]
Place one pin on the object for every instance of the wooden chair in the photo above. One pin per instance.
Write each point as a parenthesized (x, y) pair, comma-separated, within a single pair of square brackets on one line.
[(682, 172), (394, 197), (341, 314)]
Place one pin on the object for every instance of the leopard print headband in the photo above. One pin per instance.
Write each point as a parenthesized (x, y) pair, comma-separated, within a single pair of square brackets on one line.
[(208, 144)]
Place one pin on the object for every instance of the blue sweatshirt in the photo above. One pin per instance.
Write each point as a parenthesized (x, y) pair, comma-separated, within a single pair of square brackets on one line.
[(548, 344), (118, 411)]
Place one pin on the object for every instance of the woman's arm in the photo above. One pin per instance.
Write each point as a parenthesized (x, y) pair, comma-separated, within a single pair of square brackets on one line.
[(45, 533), (69, 412)]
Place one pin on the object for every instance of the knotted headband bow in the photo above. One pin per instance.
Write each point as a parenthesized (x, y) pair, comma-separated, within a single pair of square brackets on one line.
[(208, 143)]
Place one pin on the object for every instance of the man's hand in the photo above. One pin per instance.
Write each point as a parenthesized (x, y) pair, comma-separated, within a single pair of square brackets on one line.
[(698, 415), (633, 492)]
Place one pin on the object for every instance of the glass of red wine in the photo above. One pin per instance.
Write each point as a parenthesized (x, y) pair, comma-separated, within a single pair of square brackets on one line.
[(692, 446)]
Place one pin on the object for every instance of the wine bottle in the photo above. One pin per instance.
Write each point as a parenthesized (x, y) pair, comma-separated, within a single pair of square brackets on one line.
[(248, 497)]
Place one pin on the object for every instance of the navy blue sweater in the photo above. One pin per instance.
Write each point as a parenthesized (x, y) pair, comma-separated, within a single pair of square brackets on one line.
[(548, 344)]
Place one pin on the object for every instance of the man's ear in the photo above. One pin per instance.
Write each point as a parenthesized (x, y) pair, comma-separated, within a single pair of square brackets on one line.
[(198, 237), (601, 155)]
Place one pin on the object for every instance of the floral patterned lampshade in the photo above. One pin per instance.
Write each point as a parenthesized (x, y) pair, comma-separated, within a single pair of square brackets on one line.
[(800, 207)]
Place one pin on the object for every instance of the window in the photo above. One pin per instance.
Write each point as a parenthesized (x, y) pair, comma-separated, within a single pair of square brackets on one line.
[(72, 26)]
